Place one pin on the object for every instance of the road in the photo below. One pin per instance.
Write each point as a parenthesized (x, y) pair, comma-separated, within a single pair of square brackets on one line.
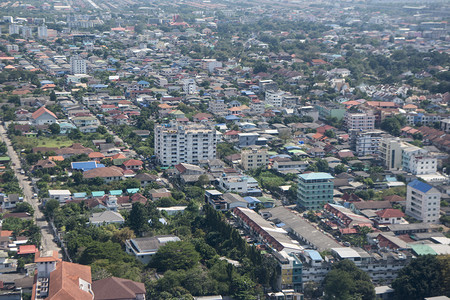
[(47, 242)]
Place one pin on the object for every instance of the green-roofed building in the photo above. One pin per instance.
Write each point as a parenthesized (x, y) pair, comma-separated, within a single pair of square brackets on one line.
[(4, 159), (422, 249), (266, 201), (314, 190), (132, 191), (116, 192), (98, 194)]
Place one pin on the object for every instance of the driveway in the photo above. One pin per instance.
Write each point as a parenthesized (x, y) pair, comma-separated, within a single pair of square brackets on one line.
[(47, 235)]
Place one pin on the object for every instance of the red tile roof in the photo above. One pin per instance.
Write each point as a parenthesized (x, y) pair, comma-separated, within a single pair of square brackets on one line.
[(117, 288), (65, 282), (41, 111), (27, 249), (390, 213)]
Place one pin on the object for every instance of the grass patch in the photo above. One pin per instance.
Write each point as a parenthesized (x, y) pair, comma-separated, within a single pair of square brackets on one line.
[(22, 142)]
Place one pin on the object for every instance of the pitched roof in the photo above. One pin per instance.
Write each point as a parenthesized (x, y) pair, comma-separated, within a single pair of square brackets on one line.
[(419, 185), (390, 213), (133, 162), (103, 172), (117, 288), (65, 282), (41, 111)]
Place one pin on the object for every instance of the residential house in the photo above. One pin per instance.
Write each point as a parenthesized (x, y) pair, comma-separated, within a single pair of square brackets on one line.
[(43, 116), (107, 173), (144, 248), (106, 217), (133, 164), (61, 195), (114, 288)]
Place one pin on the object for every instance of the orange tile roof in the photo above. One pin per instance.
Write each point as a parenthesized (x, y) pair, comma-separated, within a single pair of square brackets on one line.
[(6, 233), (64, 282), (27, 249), (53, 256), (41, 111), (96, 155), (56, 158)]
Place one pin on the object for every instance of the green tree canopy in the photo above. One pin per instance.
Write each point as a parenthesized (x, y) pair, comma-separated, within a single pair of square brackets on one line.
[(175, 256), (347, 281)]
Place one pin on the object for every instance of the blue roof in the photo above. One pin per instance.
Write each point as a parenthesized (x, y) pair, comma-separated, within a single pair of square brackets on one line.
[(232, 117), (251, 200), (420, 186), (314, 255), (143, 82), (115, 192), (86, 165), (280, 155), (98, 194), (279, 225), (132, 191), (80, 195), (314, 176)]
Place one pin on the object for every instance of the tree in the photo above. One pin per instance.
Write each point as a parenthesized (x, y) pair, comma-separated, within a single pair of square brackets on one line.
[(322, 165), (54, 128), (423, 277), (330, 133), (341, 168), (101, 129), (53, 96), (203, 180), (50, 207), (175, 256), (347, 281), (24, 207), (138, 220)]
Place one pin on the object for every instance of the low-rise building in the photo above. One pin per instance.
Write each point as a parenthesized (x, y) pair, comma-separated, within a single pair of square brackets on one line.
[(144, 248), (254, 158)]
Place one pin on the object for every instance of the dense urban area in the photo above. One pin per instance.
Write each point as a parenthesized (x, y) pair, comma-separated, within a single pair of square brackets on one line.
[(223, 149)]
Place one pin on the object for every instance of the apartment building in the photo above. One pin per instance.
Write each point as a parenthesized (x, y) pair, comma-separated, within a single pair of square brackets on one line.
[(217, 107), (314, 190), (175, 143), (390, 151), (423, 202), (189, 86), (254, 158), (360, 120), (274, 98), (77, 65), (366, 142)]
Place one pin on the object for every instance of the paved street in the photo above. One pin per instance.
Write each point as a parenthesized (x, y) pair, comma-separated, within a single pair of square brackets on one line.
[(47, 236)]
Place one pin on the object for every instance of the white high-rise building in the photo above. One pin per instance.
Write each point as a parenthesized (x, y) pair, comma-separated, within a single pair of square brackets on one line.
[(14, 28), (360, 120), (42, 32), (27, 32), (77, 65), (189, 86), (423, 202), (273, 98), (175, 143)]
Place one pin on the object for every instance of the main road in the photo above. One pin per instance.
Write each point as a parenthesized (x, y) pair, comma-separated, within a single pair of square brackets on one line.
[(47, 242)]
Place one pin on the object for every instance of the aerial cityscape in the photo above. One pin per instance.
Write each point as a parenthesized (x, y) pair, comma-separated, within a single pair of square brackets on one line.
[(225, 150)]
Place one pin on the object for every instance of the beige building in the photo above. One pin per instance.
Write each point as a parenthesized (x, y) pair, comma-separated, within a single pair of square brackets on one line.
[(390, 150), (254, 158)]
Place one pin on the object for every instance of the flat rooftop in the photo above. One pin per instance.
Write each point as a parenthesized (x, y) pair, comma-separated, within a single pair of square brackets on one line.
[(302, 228)]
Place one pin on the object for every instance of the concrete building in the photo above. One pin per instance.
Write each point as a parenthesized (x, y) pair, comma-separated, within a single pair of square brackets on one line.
[(217, 107), (42, 32), (144, 248), (314, 190), (366, 142), (189, 86), (423, 202), (330, 110), (254, 158), (274, 98), (175, 144), (309, 111), (360, 121), (14, 28), (77, 65), (27, 32), (445, 125), (390, 151)]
